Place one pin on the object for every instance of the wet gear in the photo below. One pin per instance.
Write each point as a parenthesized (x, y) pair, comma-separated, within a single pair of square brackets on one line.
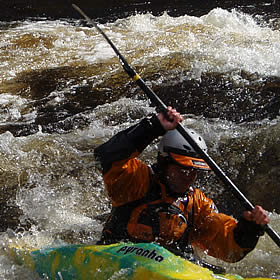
[(144, 208)]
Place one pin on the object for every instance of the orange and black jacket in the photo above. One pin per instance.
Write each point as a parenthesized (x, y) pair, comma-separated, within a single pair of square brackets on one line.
[(144, 210)]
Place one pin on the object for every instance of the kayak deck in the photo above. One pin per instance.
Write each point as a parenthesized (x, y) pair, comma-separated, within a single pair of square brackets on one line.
[(116, 261)]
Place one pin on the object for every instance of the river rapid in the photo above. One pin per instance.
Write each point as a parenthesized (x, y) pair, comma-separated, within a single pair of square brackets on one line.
[(63, 92)]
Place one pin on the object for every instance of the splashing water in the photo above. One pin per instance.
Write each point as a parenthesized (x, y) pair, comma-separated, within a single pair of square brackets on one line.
[(51, 177)]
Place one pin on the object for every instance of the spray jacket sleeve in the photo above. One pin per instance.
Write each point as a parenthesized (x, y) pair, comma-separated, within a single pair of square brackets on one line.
[(221, 235), (127, 178)]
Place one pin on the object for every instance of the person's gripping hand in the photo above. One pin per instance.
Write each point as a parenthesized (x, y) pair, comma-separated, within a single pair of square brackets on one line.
[(174, 119), (258, 215)]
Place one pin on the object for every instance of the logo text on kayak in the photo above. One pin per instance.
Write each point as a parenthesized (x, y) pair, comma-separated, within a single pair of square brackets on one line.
[(152, 255)]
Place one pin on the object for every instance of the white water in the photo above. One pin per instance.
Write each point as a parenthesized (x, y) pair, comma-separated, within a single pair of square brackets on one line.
[(220, 41), (63, 191)]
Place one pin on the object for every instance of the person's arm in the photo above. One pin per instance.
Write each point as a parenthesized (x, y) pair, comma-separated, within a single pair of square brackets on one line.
[(126, 178), (221, 235), (136, 138), (128, 143)]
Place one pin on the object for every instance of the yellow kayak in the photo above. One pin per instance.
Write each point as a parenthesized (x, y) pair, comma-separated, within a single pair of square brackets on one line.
[(117, 261)]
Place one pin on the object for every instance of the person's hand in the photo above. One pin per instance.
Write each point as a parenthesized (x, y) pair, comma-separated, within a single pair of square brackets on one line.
[(174, 118), (258, 215)]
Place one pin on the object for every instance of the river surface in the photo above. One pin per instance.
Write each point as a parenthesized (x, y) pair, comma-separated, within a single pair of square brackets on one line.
[(63, 92)]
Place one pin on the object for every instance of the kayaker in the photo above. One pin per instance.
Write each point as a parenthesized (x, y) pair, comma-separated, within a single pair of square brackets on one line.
[(158, 203)]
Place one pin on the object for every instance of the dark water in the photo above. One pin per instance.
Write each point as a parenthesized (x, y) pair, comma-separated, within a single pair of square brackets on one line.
[(63, 92)]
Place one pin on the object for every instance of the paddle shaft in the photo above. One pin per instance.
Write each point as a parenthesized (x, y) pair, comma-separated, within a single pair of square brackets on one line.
[(163, 108)]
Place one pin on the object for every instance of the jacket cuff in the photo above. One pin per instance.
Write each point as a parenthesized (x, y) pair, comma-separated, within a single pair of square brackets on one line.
[(247, 233), (156, 126)]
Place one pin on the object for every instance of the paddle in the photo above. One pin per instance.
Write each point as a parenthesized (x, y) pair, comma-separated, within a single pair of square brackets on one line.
[(163, 108)]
